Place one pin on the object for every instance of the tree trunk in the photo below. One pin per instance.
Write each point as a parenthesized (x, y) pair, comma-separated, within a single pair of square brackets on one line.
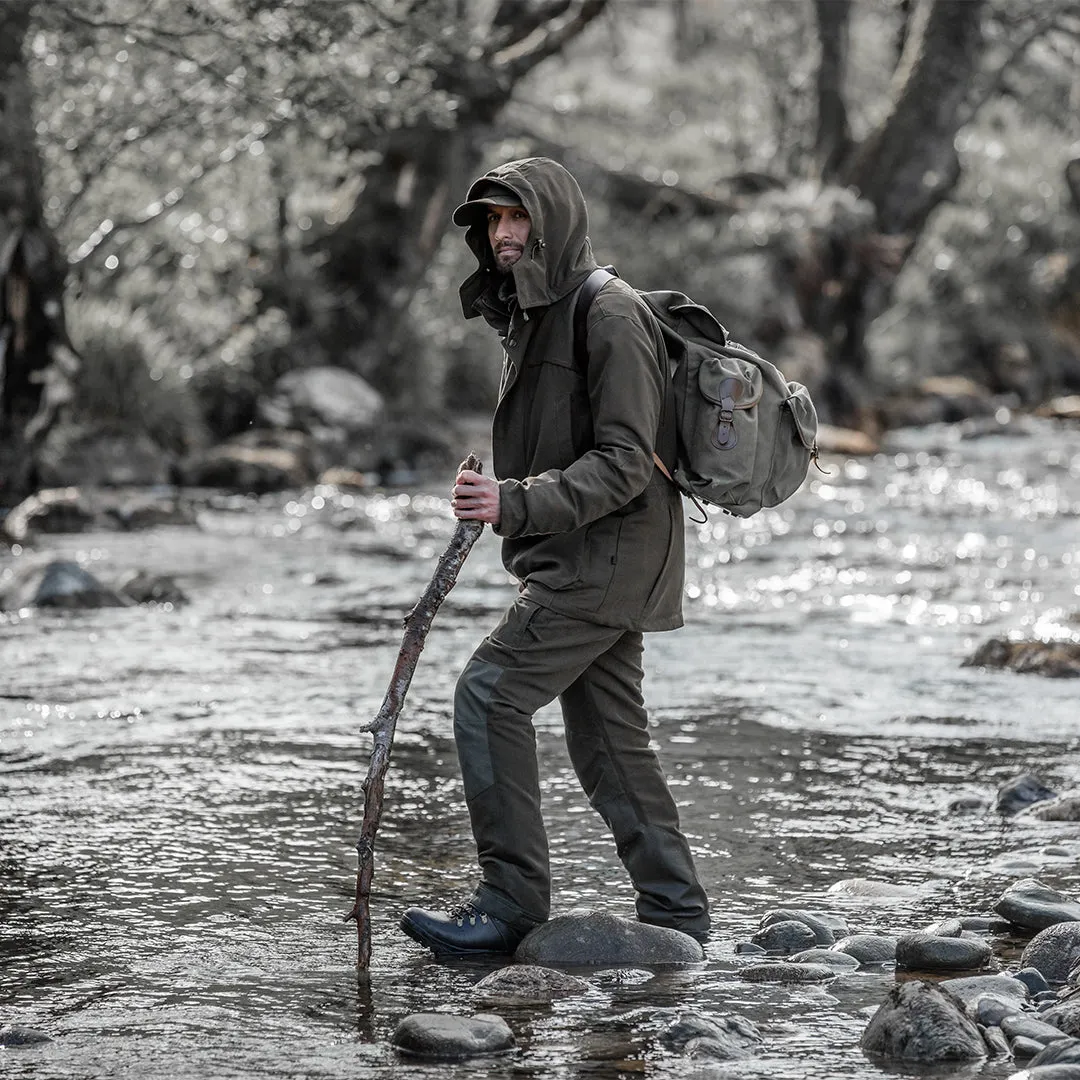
[(36, 361), (378, 256), (832, 144)]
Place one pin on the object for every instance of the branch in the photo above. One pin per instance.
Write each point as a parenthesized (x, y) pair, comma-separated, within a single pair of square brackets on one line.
[(417, 625), (521, 58)]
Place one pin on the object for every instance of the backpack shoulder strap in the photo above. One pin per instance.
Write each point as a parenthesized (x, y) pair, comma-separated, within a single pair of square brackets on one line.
[(586, 294)]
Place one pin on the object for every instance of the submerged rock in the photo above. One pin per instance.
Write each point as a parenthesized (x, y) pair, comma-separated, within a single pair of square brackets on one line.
[(1062, 1052), (930, 952), (1021, 792), (830, 957), (975, 991), (1055, 659), (1054, 951), (1065, 807), (57, 584), (827, 928), (877, 890), (527, 984), (705, 1038), (599, 939), (785, 937), (14, 1035), (923, 1023), (441, 1036), (1035, 906), (1064, 1015), (784, 972)]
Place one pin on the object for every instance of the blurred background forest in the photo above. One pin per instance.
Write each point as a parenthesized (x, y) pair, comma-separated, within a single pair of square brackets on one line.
[(224, 224)]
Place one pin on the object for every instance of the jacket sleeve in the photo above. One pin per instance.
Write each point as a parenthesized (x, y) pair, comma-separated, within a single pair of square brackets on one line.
[(626, 393)]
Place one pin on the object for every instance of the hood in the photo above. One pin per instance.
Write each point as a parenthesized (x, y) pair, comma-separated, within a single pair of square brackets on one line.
[(558, 255)]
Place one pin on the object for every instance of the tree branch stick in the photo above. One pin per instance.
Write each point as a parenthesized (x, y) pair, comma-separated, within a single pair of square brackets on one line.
[(417, 624)]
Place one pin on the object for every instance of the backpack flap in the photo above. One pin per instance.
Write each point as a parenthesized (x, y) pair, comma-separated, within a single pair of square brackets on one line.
[(730, 384)]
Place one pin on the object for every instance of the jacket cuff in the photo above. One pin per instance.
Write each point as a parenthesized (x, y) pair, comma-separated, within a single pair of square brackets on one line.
[(511, 508)]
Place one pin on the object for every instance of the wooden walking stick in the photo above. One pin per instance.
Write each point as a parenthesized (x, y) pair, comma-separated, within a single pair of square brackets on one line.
[(417, 624)]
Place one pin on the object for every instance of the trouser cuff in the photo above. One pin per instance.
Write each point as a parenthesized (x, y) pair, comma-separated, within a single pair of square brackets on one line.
[(496, 903)]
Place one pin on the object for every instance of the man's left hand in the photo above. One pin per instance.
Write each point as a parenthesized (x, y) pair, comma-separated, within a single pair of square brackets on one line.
[(475, 497)]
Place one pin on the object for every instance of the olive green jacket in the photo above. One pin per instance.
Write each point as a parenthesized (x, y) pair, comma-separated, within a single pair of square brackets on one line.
[(591, 527)]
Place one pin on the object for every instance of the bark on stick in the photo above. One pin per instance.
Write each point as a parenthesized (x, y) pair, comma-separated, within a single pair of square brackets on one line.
[(417, 624)]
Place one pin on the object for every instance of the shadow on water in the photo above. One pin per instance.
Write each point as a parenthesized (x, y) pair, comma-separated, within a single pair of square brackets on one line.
[(180, 789)]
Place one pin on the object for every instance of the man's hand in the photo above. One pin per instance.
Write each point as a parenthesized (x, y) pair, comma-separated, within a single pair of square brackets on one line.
[(475, 497)]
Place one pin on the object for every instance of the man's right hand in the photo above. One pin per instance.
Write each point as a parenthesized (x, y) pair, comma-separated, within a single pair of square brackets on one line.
[(475, 497)]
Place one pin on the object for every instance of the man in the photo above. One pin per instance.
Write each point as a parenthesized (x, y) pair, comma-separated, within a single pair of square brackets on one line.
[(594, 534)]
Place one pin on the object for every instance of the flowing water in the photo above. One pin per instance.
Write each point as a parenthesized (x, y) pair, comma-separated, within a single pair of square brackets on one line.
[(180, 788)]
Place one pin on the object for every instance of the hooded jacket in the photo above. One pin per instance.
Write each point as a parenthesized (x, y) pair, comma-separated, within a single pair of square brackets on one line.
[(591, 528)]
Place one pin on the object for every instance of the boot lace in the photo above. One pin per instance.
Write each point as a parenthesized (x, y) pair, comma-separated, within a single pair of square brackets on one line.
[(467, 910)]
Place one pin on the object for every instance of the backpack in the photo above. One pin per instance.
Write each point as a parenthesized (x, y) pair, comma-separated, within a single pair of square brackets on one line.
[(744, 435)]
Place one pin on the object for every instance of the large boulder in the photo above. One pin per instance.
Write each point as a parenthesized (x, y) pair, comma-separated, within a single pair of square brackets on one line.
[(1054, 951), (322, 400), (597, 938), (256, 462), (922, 1023), (89, 457)]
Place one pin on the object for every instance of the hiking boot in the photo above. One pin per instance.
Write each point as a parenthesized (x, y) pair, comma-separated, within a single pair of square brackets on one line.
[(464, 930)]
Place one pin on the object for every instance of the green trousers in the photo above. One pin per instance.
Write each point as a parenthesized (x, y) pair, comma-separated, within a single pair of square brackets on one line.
[(532, 657)]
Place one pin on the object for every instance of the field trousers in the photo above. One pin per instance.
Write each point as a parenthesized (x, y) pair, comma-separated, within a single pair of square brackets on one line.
[(532, 657)]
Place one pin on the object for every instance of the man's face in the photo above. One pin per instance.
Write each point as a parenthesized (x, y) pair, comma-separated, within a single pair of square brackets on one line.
[(508, 230)]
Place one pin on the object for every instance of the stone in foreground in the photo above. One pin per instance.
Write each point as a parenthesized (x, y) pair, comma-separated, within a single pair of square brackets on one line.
[(445, 1037), (599, 939), (922, 1023), (921, 951), (527, 984), (1054, 951), (711, 1039)]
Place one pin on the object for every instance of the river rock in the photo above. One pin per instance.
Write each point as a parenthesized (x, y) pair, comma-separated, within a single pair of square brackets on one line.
[(1061, 1052), (597, 938), (1021, 792), (923, 1023), (1035, 906), (921, 951), (57, 584), (15, 1035), (1034, 980), (974, 990), (785, 937), (1054, 951), (868, 948), (784, 972), (1065, 807), (996, 1043), (89, 455), (1048, 1072), (1054, 659), (1064, 1015), (870, 889), (830, 957), (945, 928), (442, 1036), (145, 588), (526, 984), (256, 462), (827, 928), (318, 398), (1024, 1026), (706, 1038)]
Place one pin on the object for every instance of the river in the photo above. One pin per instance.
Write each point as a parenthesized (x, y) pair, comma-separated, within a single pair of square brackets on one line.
[(180, 788)]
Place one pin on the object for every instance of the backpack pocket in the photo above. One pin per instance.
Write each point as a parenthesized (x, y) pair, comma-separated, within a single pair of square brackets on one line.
[(728, 383), (794, 446)]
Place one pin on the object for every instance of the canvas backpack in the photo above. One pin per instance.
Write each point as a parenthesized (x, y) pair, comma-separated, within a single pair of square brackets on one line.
[(745, 435)]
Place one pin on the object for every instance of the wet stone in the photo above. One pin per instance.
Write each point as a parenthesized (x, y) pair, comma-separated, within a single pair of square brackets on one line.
[(827, 928), (58, 584), (1035, 906), (1023, 1047), (442, 1036), (1020, 792), (922, 1023), (527, 984), (1054, 951), (877, 890), (830, 957), (1048, 1072), (783, 972), (14, 1035), (597, 938), (990, 1011), (1023, 1025), (1064, 1015), (945, 928), (1064, 808), (868, 948), (928, 952), (1033, 979), (1062, 1052), (785, 937), (707, 1038), (973, 990)]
